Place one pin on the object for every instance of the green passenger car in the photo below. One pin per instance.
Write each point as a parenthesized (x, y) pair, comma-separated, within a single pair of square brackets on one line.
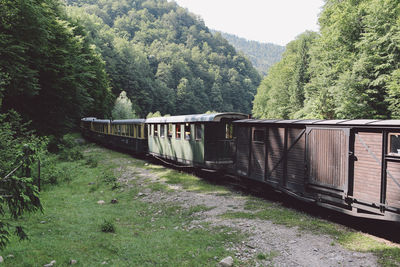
[(201, 140)]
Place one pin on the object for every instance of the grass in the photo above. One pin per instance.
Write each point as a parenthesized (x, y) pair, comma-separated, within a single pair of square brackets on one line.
[(129, 233), (269, 256), (144, 234), (356, 241), (192, 183)]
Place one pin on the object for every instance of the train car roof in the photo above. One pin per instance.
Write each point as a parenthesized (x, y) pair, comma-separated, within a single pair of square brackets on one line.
[(215, 117), (88, 119), (128, 121), (101, 121), (358, 122)]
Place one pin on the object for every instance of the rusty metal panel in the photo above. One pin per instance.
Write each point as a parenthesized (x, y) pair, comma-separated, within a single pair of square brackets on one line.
[(327, 157), (258, 153), (367, 166), (242, 152), (275, 150), (296, 156), (392, 186)]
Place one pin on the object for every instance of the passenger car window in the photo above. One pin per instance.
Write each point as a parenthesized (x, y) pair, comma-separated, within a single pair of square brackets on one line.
[(170, 130), (187, 131), (198, 132), (229, 131), (162, 130), (178, 131), (394, 144), (155, 129)]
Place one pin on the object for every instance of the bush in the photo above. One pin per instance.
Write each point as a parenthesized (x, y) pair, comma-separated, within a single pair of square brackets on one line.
[(107, 227), (110, 179), (92, 162), (71, 154), (68, 148), (68, 141), (53, 174)]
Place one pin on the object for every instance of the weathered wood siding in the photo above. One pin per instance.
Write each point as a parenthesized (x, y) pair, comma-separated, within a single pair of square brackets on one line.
[(367, 169), (275, 150), (327, 156), (258, 156), (296, 157), (393, 188), (242, 150)]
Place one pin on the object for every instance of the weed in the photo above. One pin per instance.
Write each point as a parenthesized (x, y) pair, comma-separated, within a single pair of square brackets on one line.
[(54, 174), (107, 227), (109, 177), (238, 215), (70, 154), (199, 208), (92, 162), (267, 256), (191, 182), (158, 187)]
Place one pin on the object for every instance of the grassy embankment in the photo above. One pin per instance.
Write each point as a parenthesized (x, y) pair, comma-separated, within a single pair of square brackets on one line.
[(143, 234), (139, 233)]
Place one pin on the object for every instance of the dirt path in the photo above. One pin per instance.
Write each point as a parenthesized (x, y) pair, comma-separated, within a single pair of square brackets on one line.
[(288, 246)]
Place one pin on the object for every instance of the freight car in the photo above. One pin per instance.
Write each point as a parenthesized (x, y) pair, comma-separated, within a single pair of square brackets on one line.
[(351, 166)]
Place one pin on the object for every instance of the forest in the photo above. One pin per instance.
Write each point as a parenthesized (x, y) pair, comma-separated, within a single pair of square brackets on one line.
[(60, 62), (348, 70), (262, 55), (64, 60)]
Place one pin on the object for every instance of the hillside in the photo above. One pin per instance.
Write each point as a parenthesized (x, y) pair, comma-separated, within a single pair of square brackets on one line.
[(165, 58), (261, 55), (349, 70)]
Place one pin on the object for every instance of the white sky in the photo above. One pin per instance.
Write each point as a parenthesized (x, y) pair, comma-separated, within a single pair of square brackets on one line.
[(267, 21)]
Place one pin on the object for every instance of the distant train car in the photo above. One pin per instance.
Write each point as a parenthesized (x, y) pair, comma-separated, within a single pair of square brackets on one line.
[(130, 135), (352, 166), (202, 140), (95, 129), (86, 126)]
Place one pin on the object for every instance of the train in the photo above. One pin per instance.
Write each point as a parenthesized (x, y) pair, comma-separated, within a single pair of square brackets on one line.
[(350, 166)]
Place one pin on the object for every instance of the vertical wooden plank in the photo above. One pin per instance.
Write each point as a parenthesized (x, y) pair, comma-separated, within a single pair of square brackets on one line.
[(328, 157), (367, 167)]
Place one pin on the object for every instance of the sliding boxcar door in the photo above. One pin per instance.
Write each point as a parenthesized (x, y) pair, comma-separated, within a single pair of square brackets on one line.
[(328, 158)]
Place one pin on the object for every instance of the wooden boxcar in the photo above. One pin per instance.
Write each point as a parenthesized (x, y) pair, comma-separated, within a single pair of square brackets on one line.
[(201, 140), (352, 166)]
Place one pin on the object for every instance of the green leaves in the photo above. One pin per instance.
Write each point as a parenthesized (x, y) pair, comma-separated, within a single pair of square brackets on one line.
[(352, 67), (166, 59), (52, 74), (123, 108)]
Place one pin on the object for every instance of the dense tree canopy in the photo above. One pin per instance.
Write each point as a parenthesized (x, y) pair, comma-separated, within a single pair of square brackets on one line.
[(262, 55), (281, 93), (165, 58), (352, 69), (49, 71), (123, 108)]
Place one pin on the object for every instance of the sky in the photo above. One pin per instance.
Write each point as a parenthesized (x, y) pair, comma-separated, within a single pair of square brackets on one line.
[(267, 21)]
